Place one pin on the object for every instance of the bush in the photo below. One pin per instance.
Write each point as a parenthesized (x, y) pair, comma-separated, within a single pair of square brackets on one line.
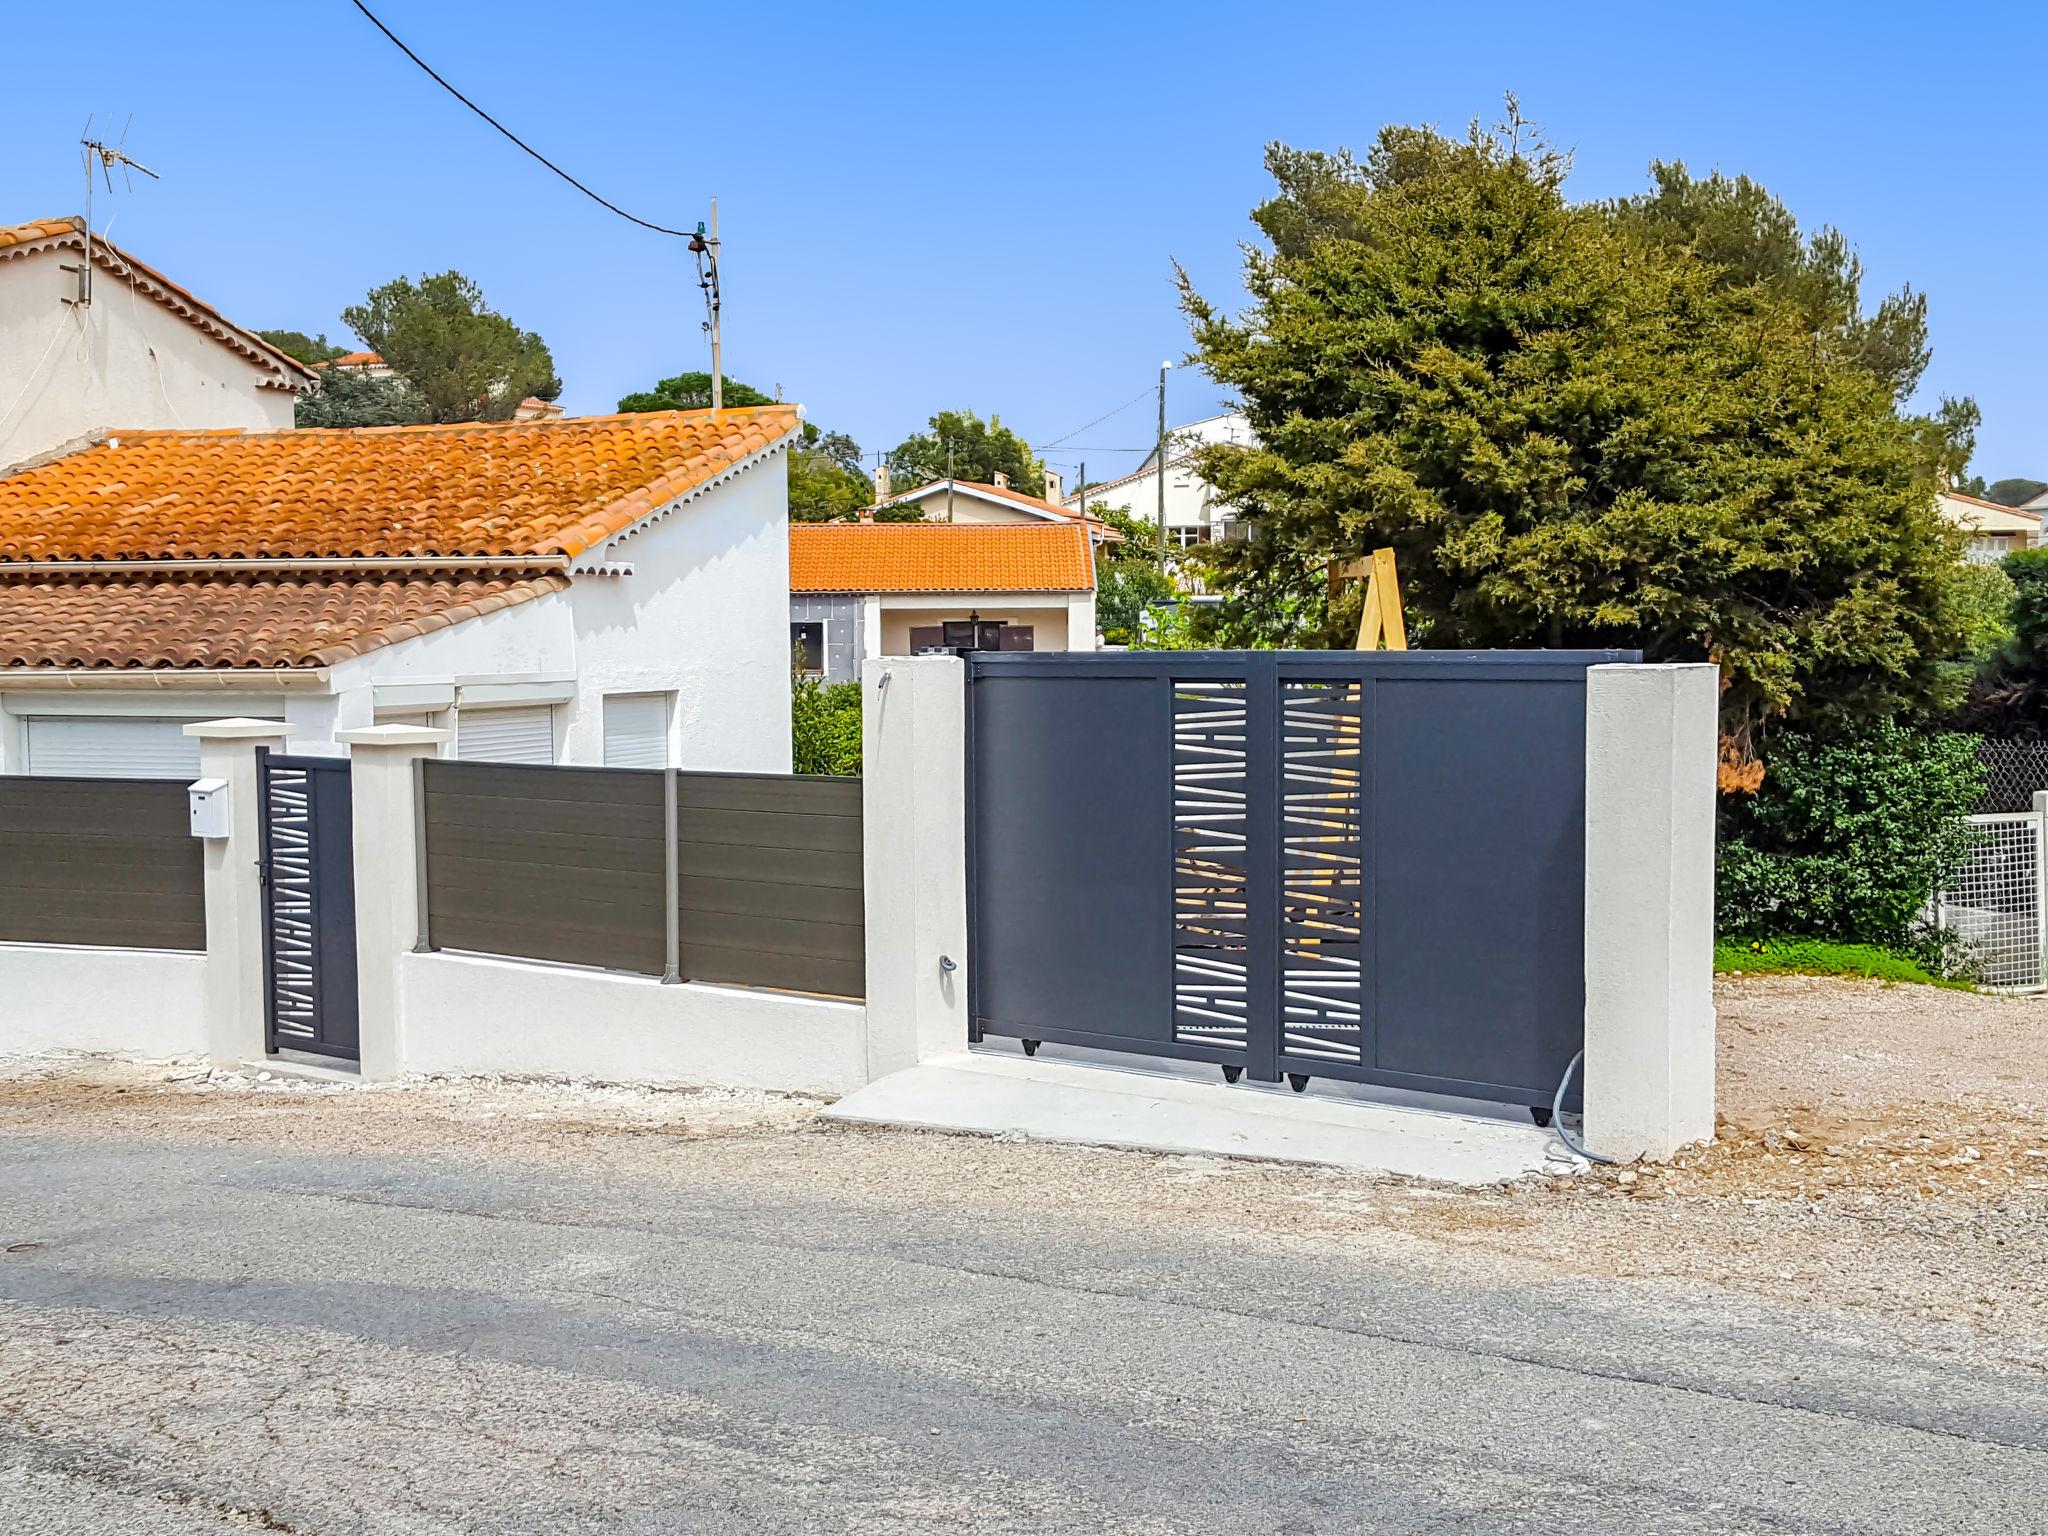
[(824, 726), (1849, 836)]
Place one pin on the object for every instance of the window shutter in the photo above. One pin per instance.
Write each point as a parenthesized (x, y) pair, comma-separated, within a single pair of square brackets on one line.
[(636, 730), (522, 734), (926, 637), (1016, 637), (111, 747)]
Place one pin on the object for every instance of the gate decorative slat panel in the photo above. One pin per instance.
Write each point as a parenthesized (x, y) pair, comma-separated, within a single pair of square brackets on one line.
[(1209, 870), (294, 908), (1322, 782)]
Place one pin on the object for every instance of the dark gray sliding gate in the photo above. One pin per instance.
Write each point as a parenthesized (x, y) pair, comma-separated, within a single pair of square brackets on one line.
[(307, 852), (1361, 865)]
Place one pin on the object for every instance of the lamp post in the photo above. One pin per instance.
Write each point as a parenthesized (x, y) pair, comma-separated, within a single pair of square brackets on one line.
[(1159, 460)]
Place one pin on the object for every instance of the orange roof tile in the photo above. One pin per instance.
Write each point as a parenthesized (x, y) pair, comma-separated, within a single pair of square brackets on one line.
[(259, 622), (482, 489), (939, 557)]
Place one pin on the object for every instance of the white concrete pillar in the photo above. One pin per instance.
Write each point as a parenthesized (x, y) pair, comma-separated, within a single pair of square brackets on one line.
[(914, 808), (233, 988), (1651, 734), (387, 874), (1080, 621)]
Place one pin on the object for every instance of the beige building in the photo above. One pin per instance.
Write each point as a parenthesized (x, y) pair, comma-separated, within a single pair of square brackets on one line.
[(92, 344), (1994, 531)]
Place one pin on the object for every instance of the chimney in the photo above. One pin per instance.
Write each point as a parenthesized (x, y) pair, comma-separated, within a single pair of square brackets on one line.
[(881, 483), (1055, 487), (867, 514), (1002, 481)]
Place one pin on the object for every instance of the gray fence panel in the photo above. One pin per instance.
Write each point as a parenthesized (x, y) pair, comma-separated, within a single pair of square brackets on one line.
[(770, 881), (546, 863), (100, 861)]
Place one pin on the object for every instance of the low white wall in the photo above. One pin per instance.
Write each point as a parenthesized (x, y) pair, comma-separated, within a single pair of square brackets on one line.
[(136, 1002), (470, 1014)]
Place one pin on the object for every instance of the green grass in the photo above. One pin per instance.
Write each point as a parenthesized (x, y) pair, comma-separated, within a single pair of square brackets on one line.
[(1818, 957)]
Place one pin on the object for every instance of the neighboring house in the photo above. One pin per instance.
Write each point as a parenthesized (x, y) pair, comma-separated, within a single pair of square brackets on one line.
[(605, 589), (900, 589), (1192, 515), (975, 501), (533, 408), (143, 353), (371, 364), (1993, 531)]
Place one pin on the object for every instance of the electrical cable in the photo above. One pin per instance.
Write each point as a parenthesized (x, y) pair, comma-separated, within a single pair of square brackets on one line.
[(659, 229), (1098, 421), (1557, 1115)]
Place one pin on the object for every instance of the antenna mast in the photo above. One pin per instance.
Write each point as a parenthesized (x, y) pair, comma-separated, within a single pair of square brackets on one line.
[(108, 156)]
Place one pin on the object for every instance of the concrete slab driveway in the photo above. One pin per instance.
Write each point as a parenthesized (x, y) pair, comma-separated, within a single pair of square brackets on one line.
[(517, 1310)]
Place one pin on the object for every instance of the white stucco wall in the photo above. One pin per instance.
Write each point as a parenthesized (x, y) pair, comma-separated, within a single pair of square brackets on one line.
[(134, 1002), (705, 615), (125, 362), (471, 1014)]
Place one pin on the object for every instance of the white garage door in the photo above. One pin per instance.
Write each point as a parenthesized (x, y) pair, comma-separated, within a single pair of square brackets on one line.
[(636, 730), (111, 747), (521, 734)]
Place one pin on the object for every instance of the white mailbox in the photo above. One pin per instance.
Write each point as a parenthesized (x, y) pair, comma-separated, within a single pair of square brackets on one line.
[(209, 802)]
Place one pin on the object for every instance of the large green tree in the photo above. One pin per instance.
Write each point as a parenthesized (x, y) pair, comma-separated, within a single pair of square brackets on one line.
[(1572, 433), (2013, 492), (464, 360), (348, 397), (961, 445)]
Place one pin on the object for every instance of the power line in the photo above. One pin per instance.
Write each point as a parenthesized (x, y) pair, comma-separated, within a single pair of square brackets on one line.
[(680, 234), (1098, 421)]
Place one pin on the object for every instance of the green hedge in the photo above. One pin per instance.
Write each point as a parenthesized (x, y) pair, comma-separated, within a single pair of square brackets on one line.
[(824, 726), (1849, 836), (1818, 957)]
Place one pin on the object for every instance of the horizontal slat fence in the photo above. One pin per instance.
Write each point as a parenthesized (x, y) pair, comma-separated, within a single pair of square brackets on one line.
[(100, 861), (569, 864), (546, 863), (770, 881)]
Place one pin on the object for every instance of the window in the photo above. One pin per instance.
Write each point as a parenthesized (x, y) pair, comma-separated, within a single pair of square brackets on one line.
[(807, 648), (111, 747), (517, 734), (636, 730)]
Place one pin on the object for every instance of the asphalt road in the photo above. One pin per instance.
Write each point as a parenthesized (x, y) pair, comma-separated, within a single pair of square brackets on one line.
[(206, 1335)]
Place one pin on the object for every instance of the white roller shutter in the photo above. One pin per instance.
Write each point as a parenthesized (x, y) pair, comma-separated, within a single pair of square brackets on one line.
[(516, 734), (111, 747), (636, 730)]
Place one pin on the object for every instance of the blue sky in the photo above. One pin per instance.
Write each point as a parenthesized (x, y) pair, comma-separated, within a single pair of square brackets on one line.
[(932, 206)]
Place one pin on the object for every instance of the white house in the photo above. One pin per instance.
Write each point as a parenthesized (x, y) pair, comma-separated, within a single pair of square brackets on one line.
[(131, 350), (591, 590), (1192, 515), (980, 501), (859, 590), (1994, 531)]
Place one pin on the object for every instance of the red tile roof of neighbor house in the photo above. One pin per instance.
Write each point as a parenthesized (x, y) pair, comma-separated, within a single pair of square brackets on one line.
[(20, 239), (1037, 504), (499, 494), (940, 557)]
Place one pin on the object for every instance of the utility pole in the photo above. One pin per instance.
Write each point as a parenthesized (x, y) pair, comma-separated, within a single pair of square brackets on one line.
[(1159, 461), (949, 482), (706, 252), (1082, 494)]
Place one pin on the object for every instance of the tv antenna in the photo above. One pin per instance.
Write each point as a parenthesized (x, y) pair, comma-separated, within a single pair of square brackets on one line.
[(103, 157)]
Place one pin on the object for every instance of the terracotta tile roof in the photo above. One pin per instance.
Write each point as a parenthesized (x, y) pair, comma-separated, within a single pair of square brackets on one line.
[(484, 489), (290, 372), (257, 622), (1096, 526), (940, 557)]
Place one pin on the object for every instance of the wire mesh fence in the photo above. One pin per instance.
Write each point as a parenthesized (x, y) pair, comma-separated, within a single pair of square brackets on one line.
[(1993, 902), (2013, 772)]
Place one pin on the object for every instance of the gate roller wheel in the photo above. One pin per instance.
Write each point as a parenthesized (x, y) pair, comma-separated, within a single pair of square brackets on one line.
[(1540, 1113), (1232, 1074), (1030, 1047), (1298, 1081)]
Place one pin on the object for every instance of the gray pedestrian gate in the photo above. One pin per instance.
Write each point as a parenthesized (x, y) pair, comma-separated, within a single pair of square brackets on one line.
[(307, 863), (1358, 865)]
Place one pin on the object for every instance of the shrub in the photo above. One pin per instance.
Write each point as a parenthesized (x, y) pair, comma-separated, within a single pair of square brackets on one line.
[(824, 726), (1817, 957), (1849, 836)]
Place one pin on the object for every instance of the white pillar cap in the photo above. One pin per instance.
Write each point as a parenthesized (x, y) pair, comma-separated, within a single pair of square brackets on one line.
[(393, 736), (240, 729)]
